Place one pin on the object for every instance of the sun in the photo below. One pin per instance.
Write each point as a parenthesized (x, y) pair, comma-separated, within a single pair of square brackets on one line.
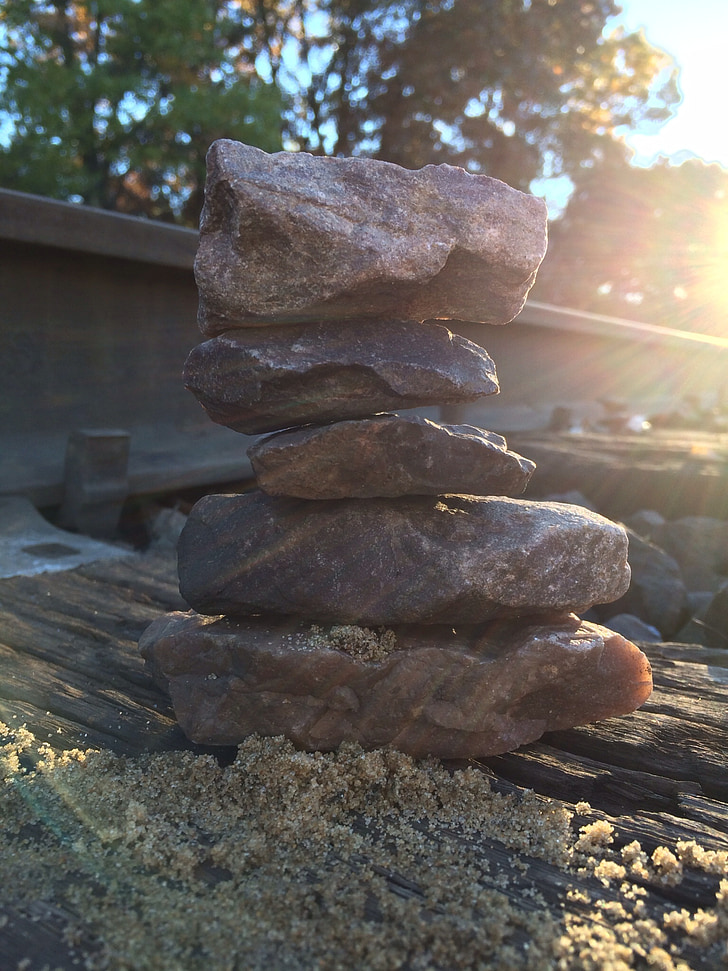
[(694, 251), (712, 277)]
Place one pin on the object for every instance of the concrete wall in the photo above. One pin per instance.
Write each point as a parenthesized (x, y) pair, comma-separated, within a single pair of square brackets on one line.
[(553, 357), (99, 312)]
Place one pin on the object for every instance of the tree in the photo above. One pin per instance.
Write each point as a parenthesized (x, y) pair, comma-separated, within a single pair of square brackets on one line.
[(650, 244), (114, 102), (516, 89)]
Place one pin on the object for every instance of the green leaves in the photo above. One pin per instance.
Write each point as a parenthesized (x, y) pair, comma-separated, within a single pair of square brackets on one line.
[(115, 102), (503, 88)]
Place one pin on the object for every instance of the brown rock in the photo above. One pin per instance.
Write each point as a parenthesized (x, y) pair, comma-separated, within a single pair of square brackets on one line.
[(296, 237), (472, 692), (417, 559), (263, 379), (387, 456)]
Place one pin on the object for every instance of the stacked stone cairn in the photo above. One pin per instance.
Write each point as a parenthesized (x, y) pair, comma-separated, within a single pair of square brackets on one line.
[(379, 586)]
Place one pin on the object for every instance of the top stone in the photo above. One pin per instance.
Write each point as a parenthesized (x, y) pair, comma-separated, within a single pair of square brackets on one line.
[(293, 237)]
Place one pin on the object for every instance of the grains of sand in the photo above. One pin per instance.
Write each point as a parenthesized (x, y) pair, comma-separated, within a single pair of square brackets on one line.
[(360, 642), (293, 860)]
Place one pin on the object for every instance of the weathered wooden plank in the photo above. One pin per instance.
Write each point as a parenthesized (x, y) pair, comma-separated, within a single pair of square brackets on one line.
[(79, 630), (68, 647), (662, 470), (665, 745), (68, 652), (32, 935), (73, 674), (565, 776)]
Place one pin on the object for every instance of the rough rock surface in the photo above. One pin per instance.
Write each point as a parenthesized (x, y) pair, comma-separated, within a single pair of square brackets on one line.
[(634, 629), (387, 456), (296, 237), (716, 620), (657, 593), (263, 379), (700, 546), (417, 559), (472, 692)]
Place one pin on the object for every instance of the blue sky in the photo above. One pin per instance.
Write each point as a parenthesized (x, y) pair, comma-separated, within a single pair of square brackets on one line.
[(695, 33)]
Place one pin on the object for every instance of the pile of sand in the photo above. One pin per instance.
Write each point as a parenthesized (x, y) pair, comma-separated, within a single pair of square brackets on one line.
[(285, 859)]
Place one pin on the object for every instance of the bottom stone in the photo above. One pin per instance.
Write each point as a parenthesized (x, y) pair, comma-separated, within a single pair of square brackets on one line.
[(426, 690)]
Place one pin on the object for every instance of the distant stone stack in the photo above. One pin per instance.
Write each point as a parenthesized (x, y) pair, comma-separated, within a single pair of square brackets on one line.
[(379, 586)]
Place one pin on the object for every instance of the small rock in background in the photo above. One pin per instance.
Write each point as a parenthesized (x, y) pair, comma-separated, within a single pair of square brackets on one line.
[(699, 601), (165, 529), (693, 631), (656, 594), (573, 497), (617, 418), (634, 629), (700, 546), (646, 523), (716, 620), (665, 590)]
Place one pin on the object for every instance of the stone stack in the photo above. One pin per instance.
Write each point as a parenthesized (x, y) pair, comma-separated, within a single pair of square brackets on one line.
[(381, 585)]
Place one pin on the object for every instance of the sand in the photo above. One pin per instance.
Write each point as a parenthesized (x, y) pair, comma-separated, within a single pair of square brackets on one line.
[(345, 860)]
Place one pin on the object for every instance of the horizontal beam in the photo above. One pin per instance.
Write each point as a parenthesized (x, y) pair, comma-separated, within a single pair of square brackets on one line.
[(63, 225), (537, 314), (48, 222)]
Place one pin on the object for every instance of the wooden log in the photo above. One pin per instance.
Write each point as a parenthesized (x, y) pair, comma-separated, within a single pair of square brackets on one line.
[(73, 675)]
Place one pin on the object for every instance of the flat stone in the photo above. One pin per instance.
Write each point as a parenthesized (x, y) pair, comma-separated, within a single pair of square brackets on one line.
[(416, 559), (264, 379), (296, 237), (387, 455), (472, 692)]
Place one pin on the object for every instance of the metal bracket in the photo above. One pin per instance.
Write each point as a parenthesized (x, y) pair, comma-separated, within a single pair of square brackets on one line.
[(96, 480)]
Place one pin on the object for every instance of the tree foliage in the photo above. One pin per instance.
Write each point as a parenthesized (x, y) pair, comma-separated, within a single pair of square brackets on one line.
[(650, 244), (114, 102), (516, 89)]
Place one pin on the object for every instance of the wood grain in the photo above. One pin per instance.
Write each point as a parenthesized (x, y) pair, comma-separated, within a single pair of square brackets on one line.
[(72, 673)]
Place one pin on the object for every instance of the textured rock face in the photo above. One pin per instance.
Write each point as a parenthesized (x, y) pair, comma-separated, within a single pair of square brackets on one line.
[(320, 282), (700, 546), (387, 456), (296, 237), (716, 620), (440, 560), (264, 379), (471, 693), (656, 593)]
